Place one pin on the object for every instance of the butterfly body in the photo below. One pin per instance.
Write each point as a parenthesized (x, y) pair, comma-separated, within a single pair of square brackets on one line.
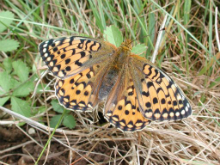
[(108, 82), (134, 90)]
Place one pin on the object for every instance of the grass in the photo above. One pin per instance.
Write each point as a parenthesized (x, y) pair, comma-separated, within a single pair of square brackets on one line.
[(188, 51)]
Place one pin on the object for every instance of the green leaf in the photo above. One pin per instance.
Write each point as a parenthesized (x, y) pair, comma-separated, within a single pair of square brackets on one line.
[(177, 68), (41, 109), (8, 45), (20, 106), (56, 106), (14, 83), (7, 65), (3, 100), (187, 9), (24, 89), (40, 88), (101, 24), (139, 49), (21, 70), (38, 110), (5, 81), (6, 18), (54, 120), (69, 121), (215, 82), (113, 35)]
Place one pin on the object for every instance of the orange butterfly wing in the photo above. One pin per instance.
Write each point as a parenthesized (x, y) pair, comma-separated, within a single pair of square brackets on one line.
[(78, 62), (158, 95), (70, 55), (80, 92), (122, 107)]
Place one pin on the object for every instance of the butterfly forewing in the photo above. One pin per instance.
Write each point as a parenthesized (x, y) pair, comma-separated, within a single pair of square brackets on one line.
[(159, 97), (70, 55)]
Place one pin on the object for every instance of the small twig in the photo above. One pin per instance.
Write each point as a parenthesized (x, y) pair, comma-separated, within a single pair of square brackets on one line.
[(39, 125), (159, 38), (216, 28)]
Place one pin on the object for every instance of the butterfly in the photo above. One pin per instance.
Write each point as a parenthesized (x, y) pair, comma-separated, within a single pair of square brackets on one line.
[(90, 71)]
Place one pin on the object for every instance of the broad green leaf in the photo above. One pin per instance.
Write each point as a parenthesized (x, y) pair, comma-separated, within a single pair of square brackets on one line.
[(56, 106), (14, 83), (20, 106), (6, 18), (69, 121), (8, 45), (3, 100), (24, 89), (5, 81), (21, 70), (54, 120), (113, 35), (7, 65), (139, 49)]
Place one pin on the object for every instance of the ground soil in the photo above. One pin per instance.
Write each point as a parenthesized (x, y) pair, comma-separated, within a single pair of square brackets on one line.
[(17, 148)]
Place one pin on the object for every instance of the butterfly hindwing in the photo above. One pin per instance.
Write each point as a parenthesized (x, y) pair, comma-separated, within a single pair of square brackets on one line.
[(122, 108), (159, 97), (80, 92)]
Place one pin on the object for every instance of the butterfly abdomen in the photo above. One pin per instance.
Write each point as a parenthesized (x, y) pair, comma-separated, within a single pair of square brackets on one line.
[(117, 67), (108, 82)]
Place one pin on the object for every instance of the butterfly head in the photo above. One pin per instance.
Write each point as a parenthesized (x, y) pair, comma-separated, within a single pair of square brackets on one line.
[(121, 55), (126, 45)]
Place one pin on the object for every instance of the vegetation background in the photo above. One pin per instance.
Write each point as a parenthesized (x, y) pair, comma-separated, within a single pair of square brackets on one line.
[(183, 37)]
